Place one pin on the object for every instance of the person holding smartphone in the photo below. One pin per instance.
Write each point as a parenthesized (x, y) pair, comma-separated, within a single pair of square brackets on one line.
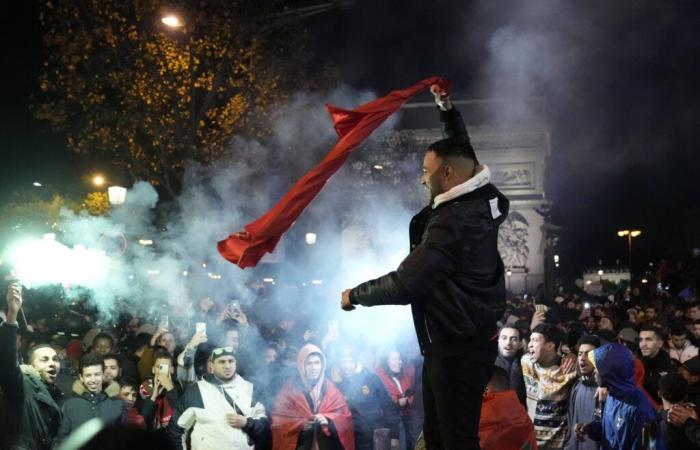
[(162, 390)]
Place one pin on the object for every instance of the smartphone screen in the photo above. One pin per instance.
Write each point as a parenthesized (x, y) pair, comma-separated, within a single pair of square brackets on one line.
[(201, 327)]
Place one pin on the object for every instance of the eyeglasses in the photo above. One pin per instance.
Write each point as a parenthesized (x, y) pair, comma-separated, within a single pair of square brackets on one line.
[(221, 350)]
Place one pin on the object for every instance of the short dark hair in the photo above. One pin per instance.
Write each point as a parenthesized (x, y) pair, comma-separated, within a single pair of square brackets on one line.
[(129, 382), (590, 340), (30, 353), (656, 330), (140, 341), (103, 336), (455, 146), (90, 359), (696, 322), (550, 333), (161, 353), (673, 387), (678, 330), (511, 327), (113, 356)]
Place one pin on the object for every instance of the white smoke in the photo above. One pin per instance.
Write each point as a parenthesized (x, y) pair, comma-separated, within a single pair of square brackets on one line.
[(183, 265)]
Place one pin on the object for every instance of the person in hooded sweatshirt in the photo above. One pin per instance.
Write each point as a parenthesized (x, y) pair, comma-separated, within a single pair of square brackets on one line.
[(309, 411), (629, 421)]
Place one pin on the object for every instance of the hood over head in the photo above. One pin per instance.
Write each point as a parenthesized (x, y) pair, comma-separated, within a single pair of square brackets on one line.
[(615, 365)]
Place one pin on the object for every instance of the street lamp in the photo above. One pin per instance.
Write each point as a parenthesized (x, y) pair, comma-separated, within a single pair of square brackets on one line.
[(117, 195), (172, 21), (508, 274), (630, 234), (98, 180), (600, 274)]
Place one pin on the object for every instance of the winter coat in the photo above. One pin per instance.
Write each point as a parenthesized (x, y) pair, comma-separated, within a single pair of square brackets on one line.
[(454, 277), (86, 406), (515, 375), (200, 424), (37, 403), (655, 368), (112, 389), (627, 412), (371, 407)]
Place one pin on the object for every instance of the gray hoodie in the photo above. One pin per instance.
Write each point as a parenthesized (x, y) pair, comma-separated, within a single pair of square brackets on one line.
[(582, 405)]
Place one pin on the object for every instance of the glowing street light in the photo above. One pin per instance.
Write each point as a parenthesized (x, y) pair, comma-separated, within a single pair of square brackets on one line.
[(172, 21), (98, 180), (117, 195), (310, 238), (36, 184), (629, 234)]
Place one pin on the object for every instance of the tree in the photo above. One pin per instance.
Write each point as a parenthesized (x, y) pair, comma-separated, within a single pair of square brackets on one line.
[(117, 80), (26, 214), (97, 203)]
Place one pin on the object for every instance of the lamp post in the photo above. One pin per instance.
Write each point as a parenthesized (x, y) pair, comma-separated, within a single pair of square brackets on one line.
[(98, 180), (629, 234), (509, 273), (117, 195)]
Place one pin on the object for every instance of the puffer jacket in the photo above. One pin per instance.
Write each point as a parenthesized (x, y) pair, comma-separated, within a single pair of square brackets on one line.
[(454, 277), (37, 403)]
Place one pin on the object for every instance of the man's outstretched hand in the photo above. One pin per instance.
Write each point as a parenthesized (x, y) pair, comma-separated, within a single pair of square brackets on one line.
[(442, 99), (345, 301), (14, 302)]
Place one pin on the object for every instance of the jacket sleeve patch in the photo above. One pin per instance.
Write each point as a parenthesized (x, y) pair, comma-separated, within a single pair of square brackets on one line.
[(495, 212)]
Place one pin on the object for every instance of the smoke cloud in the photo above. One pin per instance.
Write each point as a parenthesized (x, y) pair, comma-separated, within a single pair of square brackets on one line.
[(161, 257)]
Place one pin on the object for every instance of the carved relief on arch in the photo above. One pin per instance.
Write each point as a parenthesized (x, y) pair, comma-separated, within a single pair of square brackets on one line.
[(512, 241)]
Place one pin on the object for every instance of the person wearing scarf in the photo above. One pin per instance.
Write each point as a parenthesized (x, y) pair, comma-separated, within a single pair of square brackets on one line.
[(310, 413), (400, 381)]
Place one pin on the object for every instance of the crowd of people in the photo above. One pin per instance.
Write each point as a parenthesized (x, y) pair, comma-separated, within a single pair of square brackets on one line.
[(578, 372)]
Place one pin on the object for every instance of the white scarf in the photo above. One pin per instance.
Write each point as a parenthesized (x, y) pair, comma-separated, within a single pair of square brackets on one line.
[(482, 178)]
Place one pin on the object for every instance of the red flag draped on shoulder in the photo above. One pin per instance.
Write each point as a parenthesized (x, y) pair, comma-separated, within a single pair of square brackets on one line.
[(245, 248)]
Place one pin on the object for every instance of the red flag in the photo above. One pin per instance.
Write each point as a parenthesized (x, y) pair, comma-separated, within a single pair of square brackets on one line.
[(245, 248)]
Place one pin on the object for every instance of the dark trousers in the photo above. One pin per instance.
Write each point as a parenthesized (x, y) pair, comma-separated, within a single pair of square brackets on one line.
[(453, 388)]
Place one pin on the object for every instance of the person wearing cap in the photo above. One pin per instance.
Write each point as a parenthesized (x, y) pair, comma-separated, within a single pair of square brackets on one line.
[(220, 410), (628, 419), (29, 391), (310, 412), (690, 371)]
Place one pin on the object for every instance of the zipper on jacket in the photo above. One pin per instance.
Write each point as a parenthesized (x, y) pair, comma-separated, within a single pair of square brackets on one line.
[(427, 330)]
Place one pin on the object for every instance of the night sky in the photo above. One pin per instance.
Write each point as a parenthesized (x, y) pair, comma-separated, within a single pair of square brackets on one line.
[(620, 80)]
